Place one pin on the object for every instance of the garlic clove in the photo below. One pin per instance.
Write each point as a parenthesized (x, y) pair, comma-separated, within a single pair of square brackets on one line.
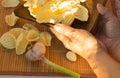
[(71, 56)]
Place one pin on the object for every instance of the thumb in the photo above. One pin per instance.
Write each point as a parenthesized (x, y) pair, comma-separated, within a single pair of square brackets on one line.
[(65, 30), (104, 11)]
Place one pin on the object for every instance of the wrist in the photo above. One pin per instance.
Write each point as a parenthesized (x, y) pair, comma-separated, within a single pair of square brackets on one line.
[(102, 64), (115, 50), (99, 49)]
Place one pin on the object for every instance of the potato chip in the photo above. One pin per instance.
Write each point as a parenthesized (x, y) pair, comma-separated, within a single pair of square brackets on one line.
[(79, 1), (45, 38), (28, 27), (21, 44), (68, 19), (11, 19), (10, 3), (45, 16), (33, 35), (66, 6), (82, 0), (17, 31), (82, 13), (8, 41)]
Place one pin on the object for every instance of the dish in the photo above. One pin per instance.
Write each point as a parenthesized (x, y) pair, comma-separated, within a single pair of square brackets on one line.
[(23, 12)]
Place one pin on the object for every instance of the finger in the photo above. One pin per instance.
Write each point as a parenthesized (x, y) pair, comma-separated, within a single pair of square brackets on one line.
[(105, 12), (60, 36), (65, 30)]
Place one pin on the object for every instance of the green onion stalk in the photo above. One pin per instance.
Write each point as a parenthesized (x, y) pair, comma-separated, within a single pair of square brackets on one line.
[(38, 52)]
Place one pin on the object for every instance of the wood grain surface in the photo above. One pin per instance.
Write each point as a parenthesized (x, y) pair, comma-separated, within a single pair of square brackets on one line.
[(10, 63)]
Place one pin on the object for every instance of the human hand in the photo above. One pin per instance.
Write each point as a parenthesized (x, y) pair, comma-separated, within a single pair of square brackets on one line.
[(93, 50), (78, 40), (110, 33), (86, 45)]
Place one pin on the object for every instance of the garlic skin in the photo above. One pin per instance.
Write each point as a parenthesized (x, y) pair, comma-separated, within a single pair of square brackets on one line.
[(39, 49), (36, 52)]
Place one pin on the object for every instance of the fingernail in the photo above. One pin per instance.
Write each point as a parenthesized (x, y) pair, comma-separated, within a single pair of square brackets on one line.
[(57, 28)]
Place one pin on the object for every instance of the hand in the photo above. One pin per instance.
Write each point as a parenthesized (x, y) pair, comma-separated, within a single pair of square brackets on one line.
[(87, 46), (77, 40), (93, 50), (110, 34)]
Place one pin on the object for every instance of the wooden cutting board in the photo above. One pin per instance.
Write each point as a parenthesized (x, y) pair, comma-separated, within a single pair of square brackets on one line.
[(10, 63)]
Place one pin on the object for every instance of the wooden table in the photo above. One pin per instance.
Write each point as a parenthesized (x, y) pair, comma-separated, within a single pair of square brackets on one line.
[(17, 66)]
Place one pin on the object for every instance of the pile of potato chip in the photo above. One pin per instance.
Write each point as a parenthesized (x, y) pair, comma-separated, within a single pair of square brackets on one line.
[(53, 11), (57, 11), (20, 38)]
